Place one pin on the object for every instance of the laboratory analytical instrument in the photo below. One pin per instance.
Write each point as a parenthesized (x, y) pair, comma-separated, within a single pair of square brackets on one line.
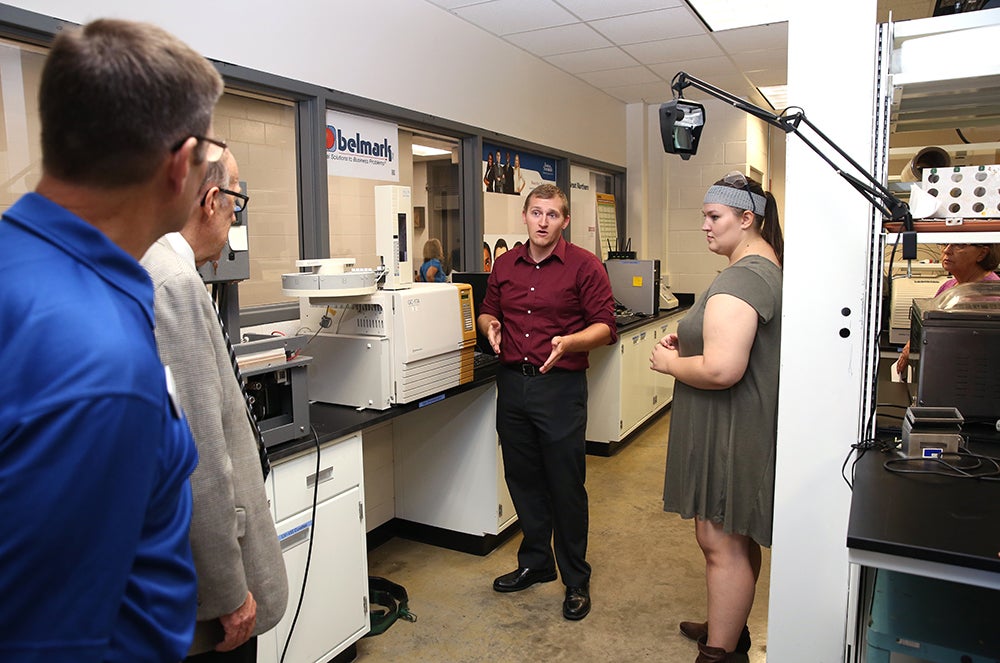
[(955, 349), (390, 347), (636, 284)]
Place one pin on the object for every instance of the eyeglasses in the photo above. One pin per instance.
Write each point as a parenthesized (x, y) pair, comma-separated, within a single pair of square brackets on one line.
[(739, 180), (240, 200), (214, 151)]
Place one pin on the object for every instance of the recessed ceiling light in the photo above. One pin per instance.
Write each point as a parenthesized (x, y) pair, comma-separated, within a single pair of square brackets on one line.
[(424, 151), (730, 14)]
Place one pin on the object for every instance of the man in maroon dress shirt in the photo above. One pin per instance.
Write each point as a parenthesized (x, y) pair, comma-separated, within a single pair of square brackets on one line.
[(547, 304)]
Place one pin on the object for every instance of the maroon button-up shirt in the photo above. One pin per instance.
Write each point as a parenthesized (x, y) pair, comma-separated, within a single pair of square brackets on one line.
[(565, 293)]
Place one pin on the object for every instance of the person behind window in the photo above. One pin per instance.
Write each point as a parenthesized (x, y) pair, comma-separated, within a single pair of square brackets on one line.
[(967, 263), (723, 422), (432, 271), (95, 452)]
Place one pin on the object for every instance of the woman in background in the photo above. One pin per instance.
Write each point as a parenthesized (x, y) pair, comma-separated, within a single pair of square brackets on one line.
[(432, 270), (967, 263), (720, 458)]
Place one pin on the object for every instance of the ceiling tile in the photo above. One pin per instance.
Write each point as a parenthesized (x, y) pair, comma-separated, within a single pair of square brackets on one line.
[(669, 50), (753, 38), (650, 26), (619, 77), (596, 60), (452, 4), (751, 60), (703, 68), (504, 17), (650, 93), (762, 77), (589, 10), (563, 39)]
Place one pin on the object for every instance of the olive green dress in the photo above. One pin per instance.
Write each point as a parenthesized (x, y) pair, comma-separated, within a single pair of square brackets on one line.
[(720, 454)]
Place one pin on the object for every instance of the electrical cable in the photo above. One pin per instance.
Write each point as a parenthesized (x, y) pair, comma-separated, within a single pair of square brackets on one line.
[(324, 323), (309, 551), (953, 470)]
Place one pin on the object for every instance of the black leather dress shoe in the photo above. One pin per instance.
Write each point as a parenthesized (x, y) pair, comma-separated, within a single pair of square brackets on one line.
[(522, 578), (577, 603)]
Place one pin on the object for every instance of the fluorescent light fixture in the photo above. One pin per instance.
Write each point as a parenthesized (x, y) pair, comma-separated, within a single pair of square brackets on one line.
[(776, 95), (424, 151), (730, 14)]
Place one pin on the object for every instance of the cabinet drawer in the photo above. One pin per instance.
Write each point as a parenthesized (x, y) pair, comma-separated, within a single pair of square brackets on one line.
[(294, 480)]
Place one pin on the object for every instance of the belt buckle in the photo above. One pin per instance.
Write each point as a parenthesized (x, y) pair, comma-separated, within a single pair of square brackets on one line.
[(529, 370)]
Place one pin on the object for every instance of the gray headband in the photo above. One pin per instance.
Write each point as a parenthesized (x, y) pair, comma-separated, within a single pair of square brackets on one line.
[(727, 195)]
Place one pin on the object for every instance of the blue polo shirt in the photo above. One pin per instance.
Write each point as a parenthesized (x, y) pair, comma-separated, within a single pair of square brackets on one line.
[(95, 563)]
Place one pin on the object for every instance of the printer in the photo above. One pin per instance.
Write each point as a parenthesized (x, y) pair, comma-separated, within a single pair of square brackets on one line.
[(390, 347)]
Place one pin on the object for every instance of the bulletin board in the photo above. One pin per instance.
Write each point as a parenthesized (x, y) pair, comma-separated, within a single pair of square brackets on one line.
[(607, 223)]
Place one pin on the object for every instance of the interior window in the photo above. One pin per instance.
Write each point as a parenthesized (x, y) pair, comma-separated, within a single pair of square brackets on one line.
[(20, 140), (261, 134)]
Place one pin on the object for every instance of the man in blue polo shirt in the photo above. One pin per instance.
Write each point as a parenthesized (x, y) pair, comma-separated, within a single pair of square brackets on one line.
[(95, 563)]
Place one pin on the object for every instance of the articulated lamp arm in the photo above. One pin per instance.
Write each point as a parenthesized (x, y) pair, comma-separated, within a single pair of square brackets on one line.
[(681, 122)]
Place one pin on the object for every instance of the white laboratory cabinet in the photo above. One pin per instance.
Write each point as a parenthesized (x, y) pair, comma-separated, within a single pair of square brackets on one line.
[(623, 391), (334, 612), (448, 466)]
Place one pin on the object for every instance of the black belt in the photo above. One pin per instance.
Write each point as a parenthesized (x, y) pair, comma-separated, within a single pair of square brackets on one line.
[(531, 370)]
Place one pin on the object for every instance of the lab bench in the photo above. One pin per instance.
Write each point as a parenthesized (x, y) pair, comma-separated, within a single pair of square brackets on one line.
[(429, 470), (929, 550), (624, 393)]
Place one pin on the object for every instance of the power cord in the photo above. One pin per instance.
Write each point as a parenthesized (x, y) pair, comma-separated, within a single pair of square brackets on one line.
[(312, 537), (989, 466), (324, 323)]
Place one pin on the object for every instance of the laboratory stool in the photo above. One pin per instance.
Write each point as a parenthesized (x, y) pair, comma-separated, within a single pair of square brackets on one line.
[(933, 620)]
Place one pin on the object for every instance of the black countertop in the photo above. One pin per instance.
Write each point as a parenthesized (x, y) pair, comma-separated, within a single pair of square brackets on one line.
[(940, 519), (333, 421)]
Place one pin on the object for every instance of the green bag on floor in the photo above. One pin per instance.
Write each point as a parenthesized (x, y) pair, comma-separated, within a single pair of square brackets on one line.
[(387, 602)]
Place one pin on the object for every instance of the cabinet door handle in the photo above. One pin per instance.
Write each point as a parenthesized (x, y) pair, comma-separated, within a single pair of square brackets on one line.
[(295, 536), (324, 475)]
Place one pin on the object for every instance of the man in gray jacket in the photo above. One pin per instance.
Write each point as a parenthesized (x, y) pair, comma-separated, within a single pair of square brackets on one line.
[(242, 586)]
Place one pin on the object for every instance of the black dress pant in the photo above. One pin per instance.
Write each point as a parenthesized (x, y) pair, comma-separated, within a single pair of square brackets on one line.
[(542, 424)]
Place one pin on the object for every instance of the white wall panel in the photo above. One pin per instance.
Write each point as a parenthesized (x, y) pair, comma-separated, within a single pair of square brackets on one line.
[(407, 53), (824, 216)]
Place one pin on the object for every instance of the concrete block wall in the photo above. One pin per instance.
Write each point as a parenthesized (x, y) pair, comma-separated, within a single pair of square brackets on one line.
[(731, 140)]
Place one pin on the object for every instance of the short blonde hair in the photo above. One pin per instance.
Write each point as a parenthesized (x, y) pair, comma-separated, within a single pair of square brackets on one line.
[(548, 192), (433, 249)]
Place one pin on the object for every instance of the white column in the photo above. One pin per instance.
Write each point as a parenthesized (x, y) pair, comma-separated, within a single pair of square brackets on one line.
[(830, 75)]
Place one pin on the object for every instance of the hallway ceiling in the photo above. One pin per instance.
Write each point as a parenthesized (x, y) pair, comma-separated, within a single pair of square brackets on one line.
[(631, 49)]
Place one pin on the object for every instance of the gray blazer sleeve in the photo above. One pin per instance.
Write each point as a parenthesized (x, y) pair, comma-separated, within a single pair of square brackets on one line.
[(232, 532)]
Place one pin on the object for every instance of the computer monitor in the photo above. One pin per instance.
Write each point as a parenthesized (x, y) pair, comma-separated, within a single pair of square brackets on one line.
[(478, 282)]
